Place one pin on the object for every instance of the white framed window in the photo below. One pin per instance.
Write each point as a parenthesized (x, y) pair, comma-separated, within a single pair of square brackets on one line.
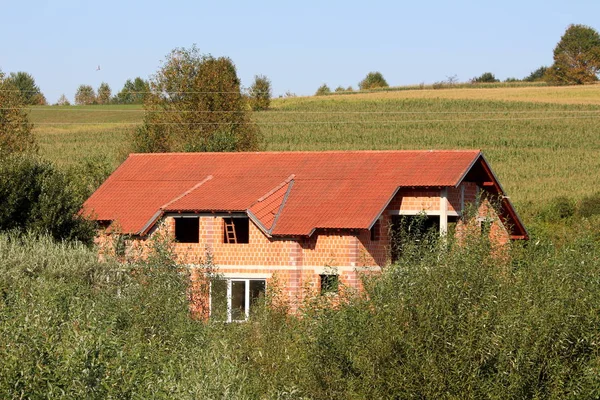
[(232, 299)]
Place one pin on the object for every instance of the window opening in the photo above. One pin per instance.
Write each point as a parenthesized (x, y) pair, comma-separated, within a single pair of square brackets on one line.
[(232, 300), (329, 283), (187, 229), (407, 229), (375, 231), (236, 230)]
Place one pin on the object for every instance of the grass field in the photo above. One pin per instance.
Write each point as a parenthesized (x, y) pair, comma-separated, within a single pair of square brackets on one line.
[(542, 142)]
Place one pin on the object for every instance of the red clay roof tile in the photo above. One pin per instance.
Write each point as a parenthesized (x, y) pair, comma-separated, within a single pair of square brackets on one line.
[(334, 189)]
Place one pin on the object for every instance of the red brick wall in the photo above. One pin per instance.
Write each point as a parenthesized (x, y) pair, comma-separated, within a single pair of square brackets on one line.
[(295, 263)]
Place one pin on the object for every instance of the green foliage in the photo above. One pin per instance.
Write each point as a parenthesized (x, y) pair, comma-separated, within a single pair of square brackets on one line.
[(486, 77), (446, 321), (260, 93), (196, 104), (373, 80), (36, 197), (16, 132), (340, 89), (133, 92), (511, 80), (537, 75), (30, 92), (576, 57), (589, 205), (557, 209), (104, 93), (323, 90), (85, 95), (63, 101)]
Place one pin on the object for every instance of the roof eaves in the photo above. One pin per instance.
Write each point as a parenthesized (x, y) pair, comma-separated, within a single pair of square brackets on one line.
[(387, 203), (285, 198), (462, 178), (257, 222)]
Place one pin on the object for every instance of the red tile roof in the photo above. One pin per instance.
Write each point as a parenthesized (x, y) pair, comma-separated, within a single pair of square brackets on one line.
[(287, 193)]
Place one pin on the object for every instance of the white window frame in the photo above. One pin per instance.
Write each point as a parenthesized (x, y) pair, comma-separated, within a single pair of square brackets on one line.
[(229, 282)]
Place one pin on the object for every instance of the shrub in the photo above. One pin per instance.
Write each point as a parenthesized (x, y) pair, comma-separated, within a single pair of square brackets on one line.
[(36, 197), (16, 132), (589, 205), (486, 77), (260, 93), (340, 89), (323, 90), (373, 80)]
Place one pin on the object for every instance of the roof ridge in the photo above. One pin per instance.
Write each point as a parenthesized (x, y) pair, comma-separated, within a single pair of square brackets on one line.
[(276, 188), (306, 152), (190, 190)]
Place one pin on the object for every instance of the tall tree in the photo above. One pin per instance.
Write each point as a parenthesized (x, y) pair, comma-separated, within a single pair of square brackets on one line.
[(133, 92), (195, 104), (30, 92), (85, 95), (373, 80), (576, 57), (16, 132), (537, 75), (104, 93), (260, 93)]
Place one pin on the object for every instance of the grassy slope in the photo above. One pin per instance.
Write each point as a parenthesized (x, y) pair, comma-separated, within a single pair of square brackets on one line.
[(542, 141)]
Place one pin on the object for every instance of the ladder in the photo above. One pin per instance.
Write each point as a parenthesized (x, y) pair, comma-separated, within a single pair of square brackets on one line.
[(229, 231)]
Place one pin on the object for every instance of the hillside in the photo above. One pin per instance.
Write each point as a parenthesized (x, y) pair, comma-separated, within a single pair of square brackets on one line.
[(542, 141)]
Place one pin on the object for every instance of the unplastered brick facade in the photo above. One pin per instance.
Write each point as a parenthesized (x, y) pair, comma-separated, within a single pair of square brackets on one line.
[(298, 262), (307, 216)]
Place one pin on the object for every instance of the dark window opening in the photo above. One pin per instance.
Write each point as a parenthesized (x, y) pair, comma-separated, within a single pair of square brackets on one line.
[(486, 227), (412, 229), (187, 230), (236, 230), (329, 283), (376, 231)]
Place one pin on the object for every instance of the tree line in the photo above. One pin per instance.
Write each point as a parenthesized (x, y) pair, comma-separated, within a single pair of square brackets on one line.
[(576, 62)]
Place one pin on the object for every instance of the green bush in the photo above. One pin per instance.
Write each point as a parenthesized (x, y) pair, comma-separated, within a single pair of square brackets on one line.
[(34, 196), (260, 93), (589, 205), (448, 320), (486, 77), (373, 80), (323, 90)]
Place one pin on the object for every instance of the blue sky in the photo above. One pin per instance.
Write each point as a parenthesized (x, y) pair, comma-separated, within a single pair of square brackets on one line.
[(298, 45)]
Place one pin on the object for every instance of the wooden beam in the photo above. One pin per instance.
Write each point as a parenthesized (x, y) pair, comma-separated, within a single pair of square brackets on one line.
[(487, 184)]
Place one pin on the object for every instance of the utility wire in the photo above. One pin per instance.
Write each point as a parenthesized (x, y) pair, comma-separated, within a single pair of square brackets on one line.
[(274, 111), (318, 122)]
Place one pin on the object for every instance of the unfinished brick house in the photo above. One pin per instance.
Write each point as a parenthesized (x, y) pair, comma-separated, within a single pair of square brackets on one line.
[(309, 218)]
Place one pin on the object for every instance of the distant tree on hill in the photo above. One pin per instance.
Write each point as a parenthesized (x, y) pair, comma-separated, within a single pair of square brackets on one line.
[(340, 89), (196, 104), (486, 77), (133, 92), (30, 92), (16, 132), (512, 79), (104, 92), (323, 90), (85, 95), (373, 80), (63, 101), (537, 75), (260, 93), (576, 57)]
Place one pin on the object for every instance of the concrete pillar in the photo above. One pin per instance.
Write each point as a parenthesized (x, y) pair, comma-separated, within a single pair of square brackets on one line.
[(443, 211)]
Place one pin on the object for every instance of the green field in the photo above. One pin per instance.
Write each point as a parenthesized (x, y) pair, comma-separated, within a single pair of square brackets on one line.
[(542, 142)]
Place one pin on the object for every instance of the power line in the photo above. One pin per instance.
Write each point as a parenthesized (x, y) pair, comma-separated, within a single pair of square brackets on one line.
[(317, 122), (274, 111)]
